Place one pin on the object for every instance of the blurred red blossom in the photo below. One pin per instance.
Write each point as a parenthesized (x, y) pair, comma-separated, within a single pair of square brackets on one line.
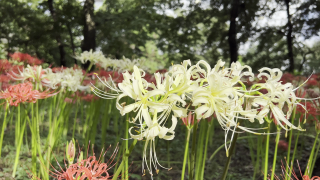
[(283, 145), (20, 93), (23, 57)]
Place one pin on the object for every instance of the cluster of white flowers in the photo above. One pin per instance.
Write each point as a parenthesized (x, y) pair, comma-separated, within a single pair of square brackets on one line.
[(94, 57), (122, 65), (69, 79), (215, 91), (34, 73)]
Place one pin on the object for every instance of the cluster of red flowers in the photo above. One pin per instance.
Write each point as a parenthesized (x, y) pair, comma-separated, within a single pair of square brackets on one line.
[(90, 168), (23, 57), (293, 174), (23, 92)]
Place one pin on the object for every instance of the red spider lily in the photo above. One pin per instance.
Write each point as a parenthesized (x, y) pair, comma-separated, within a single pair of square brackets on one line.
[(150, 78), (287, 77), (5, 65), (313, 80), (292, 173), (16, 68), (5, 85), (23, 92), (23, 57), (89, 97), (4, 78), (311, 110), (162, 71), (283, 145), (90, 168), (115, 75)]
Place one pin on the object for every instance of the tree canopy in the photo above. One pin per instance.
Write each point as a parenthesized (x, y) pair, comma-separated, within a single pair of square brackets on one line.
[(279, 33)]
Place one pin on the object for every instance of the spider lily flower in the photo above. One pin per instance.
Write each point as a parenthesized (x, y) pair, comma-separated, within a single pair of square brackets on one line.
[(126, 64), (93, 57), (23, 92), (276, 97), (68, 79), (218, 94), (147, 97), (35, 73), (22, 57), (149, 131), (293, 174), (90, 168)]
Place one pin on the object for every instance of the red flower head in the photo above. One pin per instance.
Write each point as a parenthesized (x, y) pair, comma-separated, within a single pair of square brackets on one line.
[(23, 57), (23, 92), (90, 168), (293, 174), (4, 65), (4, 78), (283, 145)]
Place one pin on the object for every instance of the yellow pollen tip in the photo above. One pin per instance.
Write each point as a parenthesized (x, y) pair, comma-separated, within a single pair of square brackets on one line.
[(95, 74), (91, 88), (157, 171), (169, 169)]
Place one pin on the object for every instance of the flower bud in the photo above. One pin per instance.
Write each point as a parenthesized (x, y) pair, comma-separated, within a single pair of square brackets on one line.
[(70, 151), (318, 127)]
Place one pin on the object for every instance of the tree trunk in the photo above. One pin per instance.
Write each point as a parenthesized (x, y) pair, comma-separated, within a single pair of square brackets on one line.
[(72, 43), (57, 33), (289, 37), (89, 28), (232, 34)]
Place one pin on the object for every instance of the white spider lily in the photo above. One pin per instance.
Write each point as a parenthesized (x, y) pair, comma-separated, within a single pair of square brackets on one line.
[(93, 57), (277, 96), (32, 72), (36, 73), (149, 131), (218, 96), (68, 78)]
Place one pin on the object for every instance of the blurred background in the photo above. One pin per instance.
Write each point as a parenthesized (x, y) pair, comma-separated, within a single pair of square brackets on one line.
[(274, 33)]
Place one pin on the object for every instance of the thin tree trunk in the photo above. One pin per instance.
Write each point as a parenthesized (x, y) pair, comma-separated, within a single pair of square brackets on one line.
[(57, 33), (71, 39), (72, 43), (232, 34), (89, 28), (289, 38)]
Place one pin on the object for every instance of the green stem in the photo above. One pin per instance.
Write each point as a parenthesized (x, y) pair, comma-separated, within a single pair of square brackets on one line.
[(314, 159), (202, 133), (186, 148), (4, 124), (193, 150), (205, 152), (75, 120), (18, 146), (266, 154), (116, 174), (226, 167), (17, 130), (294, 153), (290, 139), (256, 166), (308, 168), (228, 142), (126, 167), (105, 122), (275, 154)]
